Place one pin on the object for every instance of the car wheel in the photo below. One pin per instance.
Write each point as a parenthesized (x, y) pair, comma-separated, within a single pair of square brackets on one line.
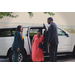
[(21, 57), (74, 51)]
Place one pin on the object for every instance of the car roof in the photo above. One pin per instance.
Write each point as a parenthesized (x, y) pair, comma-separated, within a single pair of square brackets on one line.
[(23, 27), (36, 27)]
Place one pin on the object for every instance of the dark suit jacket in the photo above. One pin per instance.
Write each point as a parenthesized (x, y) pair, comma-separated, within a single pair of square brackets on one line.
[(52, 34), (18, 42)]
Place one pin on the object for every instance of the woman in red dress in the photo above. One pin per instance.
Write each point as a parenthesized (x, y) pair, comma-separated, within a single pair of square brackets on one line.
[(37, 53)]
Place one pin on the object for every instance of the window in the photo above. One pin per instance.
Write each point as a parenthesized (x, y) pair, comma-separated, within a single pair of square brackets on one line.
[(7, 32), (61, 33), (13, 31), (33, 32), (25, 31), (43, 31)]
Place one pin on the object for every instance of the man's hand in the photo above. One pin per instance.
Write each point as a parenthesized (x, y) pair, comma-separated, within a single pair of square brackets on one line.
[(48, 44), (46, 30), (18, 49)]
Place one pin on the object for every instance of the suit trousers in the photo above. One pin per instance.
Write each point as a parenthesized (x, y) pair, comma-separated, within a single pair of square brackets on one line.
[(16, 54), (53, 53)]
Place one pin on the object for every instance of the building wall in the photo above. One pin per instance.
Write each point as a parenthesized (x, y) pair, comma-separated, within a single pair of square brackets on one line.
[(60, 18)]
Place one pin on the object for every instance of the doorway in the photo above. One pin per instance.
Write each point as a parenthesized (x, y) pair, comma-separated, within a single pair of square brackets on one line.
[(33, 31)]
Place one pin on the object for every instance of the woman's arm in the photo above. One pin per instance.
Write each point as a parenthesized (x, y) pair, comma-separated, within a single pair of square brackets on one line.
[(32, 41), (16, 40), (42, 42)]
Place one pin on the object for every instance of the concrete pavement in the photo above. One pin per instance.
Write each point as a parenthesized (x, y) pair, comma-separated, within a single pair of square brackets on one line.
[(59, 59), (4, 60)]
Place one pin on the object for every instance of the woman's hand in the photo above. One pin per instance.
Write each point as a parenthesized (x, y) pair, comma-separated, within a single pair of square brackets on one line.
[(18, 49), (48, 44), (32, 41), (42, 43)]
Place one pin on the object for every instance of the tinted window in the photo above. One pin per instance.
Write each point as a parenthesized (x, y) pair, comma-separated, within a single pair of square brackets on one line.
[(25, 31), (33, 32), (7, 32), (13, 31), (61, 33), (43, 30)]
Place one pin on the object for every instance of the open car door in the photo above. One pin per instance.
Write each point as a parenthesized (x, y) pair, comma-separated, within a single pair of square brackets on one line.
[(45, 40), (33, 31)]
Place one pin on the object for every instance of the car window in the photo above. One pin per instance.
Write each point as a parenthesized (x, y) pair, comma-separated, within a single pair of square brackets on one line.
[(43, 31), (6, 32), (25, 31), (13, 31), (61, 33), (33, 32)]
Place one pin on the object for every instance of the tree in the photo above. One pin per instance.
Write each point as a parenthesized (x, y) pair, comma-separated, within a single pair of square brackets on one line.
[(50, 13), (9, 14)]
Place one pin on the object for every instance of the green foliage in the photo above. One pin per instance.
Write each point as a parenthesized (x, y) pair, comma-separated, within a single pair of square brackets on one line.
[(30, 14), (9, 14), (70, 30), (50, 13)]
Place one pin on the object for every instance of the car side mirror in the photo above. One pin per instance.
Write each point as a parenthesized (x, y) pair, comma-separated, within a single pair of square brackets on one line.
[(67, 35)]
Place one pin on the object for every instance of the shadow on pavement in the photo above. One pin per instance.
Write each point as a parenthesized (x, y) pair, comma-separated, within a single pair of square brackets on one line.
[(68, 58)]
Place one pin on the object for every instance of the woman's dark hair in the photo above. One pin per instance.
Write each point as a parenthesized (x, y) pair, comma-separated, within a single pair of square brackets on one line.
[(18, 28), (39, 31)]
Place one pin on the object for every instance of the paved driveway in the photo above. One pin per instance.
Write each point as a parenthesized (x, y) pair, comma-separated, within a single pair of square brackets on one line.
[(59, 59)]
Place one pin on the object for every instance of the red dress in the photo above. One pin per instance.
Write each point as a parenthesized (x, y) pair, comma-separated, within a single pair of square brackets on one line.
[(37, 53)]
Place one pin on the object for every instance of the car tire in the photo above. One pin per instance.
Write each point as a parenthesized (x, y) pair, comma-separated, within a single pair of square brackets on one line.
[(74, 52), (21, 57)]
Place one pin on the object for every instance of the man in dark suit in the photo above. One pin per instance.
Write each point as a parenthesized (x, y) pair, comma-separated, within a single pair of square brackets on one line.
[(52, 39)]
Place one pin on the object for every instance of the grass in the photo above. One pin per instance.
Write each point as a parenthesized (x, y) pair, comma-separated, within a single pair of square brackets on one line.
[(72, 33), (32, 34)]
